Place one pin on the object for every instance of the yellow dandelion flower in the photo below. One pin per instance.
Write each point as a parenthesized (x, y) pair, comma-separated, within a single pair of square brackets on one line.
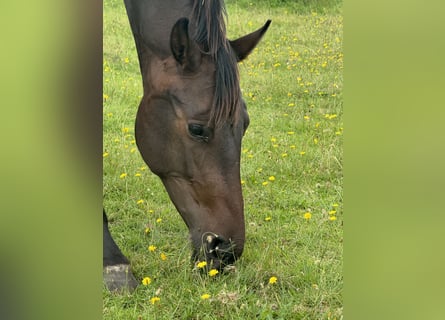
[(250, 156), (132, 150), (123, 175), (213, 272), (201, 264), (273, 139), (289, 94), (332, 218), (140, 201), (291, 104), (106, 96), (154, 300), (137, 174), (243, 182), (147, 230), (126, 60), (267, 218), (293, 146), (205, 296), (335, 205), (307, 216), (271, 178), (152, 248), (125, 130), (302, 153), (332, 212), (273, 280), (158, 220), (163, 256), (265, 183), (151, 211), (290, 133), (315, 140), (146, 281), (105, 154), (284, 155)]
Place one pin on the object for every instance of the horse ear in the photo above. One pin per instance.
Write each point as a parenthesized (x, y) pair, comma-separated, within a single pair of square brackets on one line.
[(185, 51), (244, 45)]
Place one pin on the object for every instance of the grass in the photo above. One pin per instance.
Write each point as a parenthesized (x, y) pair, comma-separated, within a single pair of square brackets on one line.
[(292, 84)]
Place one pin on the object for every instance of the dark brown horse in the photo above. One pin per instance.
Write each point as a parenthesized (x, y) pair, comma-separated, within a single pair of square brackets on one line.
[(190, 123)]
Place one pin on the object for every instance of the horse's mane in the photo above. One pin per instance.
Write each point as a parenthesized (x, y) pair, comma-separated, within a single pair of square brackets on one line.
[(210, 33)]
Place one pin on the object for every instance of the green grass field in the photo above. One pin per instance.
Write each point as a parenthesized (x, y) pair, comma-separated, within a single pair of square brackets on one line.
[(291, 170)]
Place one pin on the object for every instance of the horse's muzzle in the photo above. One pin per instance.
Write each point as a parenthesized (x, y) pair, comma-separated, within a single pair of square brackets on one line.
[(217, 251)]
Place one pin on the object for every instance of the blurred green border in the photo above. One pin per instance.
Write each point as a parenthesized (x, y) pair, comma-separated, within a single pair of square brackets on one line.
[(394, 160)]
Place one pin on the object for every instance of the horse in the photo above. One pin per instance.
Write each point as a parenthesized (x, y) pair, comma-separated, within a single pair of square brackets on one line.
[(189, 124)]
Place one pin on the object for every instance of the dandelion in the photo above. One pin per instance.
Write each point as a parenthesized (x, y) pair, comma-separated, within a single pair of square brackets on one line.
[(306, 117), (291, 104), (243, 182), (290, 133), (273, 280), (106, 97), (105, 154), (265, 183), (123, 175), (302, 153), (271, 178), (151, 211), (140, 201), (332, 212), (335, 205), (137, 174), (213, 272), (332, 218), (293, 146), (132, 150), (125, 130), (146, 281), (158, 220), (152, 248), (205, 296), (147, 230), (126, 60), (307, 216), (163, 256), (284, 155), (315, 140), (273, 139), (154, 300), (267, 218), (201, 264)]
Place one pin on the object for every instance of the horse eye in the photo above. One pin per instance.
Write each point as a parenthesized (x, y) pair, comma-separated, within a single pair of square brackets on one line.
[(197, 131)]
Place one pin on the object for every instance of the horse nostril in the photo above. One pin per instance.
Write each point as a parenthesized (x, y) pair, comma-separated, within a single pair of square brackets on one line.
[(217, 250)]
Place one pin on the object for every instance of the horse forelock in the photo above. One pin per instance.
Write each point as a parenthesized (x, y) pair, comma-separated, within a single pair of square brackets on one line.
[(210, 33)]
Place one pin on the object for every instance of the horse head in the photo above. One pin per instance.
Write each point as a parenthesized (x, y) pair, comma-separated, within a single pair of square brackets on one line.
[(189, 128)]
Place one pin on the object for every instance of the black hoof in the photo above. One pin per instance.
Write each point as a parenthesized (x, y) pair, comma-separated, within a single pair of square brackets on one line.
[(119, 278)]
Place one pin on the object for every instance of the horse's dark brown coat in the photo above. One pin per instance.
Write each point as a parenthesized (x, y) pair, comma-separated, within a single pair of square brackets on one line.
[(192, 118)]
